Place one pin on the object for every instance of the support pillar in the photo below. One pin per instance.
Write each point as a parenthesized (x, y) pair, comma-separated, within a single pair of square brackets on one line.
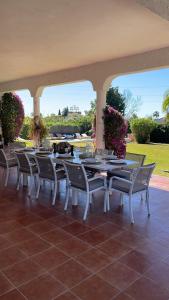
[(1, 136), (36, 106), (100, 103)]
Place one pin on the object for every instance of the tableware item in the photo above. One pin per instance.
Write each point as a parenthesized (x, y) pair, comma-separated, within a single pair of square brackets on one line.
[(91, 161), (28, 149), (64, 155), (43, 153), (110, 157), (118, 161)]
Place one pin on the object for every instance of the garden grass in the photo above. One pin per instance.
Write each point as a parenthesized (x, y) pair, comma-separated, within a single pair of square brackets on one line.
[(158, 153)]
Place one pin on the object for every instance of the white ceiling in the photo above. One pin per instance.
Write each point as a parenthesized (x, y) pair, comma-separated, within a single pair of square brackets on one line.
[(41, 36)]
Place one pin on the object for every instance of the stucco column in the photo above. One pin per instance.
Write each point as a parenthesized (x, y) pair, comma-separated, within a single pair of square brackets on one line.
[(36, 106), (100, 103), (1, 137)]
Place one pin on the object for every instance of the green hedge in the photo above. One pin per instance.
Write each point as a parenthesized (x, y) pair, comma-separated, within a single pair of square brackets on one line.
[(142, 128), (160, 134)]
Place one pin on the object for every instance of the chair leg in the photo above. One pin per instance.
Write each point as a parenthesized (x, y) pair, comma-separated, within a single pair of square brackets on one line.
[(38, 188), (142, 198), (91, 199), (19, 179), (131, 210), (54, 193), (30, 186), (108, 200), (121, 199), (147, 202), (87, 207), (105, 201), (7, 176), (67, 197)]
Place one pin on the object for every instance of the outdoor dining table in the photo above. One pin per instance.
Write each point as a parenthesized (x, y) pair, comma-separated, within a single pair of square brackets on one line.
[(101, 165)]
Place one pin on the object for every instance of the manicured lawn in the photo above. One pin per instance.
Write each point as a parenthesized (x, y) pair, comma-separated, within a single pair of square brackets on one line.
[(158, 153)]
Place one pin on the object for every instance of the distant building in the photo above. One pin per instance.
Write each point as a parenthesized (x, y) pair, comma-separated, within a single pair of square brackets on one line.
[(160, 120), (74, 111)]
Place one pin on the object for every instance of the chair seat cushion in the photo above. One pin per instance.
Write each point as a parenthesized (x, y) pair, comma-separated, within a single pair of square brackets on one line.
[(124, 186), (96, 183)]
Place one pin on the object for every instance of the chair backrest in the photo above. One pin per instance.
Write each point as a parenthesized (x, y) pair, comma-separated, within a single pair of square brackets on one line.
[(103, 152), (76, 175), (46, 168), (23, 162), (3, 160), (143, 175), (140, 158)]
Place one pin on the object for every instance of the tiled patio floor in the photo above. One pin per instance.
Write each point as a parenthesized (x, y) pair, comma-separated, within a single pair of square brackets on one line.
[(46, 254)]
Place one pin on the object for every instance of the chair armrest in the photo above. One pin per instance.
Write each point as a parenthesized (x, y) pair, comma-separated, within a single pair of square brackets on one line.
[(119, 179), (60, 169), (96, 177)]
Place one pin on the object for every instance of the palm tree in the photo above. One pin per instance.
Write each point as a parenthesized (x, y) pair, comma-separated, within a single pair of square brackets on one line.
[(165, 105)]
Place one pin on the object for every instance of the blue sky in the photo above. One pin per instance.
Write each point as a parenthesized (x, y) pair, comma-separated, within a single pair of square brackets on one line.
[(150, 86)]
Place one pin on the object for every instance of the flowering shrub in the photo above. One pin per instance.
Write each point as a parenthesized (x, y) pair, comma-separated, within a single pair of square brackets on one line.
[(12, 116), (115, 129)]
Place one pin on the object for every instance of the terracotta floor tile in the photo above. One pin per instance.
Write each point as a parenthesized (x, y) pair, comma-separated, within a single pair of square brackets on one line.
[(137, 261), (29, 219), (110, 229), (13, 295), (159, 273), (114, 248), (93, 237), (95, 288), (5, 285), (146, 289), (123, 296), (50, 258), (76, 228), (94, 259), (20, 235), (41, 227), (119, 275), (70, 273), (22, 272), (130, 238), (34, 246), (56, 236), (48, 213), (44, 287), (73, 247), (94, 221), (10, 256), (4, 243), (154, 248), (9, 226), (66, 296), (61, 220)]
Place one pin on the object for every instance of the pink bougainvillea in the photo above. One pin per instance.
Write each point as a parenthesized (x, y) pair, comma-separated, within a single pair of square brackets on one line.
[(115, 129), (12, 116), (20, 115)]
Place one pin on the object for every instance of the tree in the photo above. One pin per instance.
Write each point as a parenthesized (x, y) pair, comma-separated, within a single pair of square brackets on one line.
[(165, 105), (132, 104), (115, 99), (12, 116), (65, 112), (156, 114), (59, 112)]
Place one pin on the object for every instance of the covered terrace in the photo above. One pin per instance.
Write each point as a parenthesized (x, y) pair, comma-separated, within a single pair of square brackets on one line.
[(44, 253)]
